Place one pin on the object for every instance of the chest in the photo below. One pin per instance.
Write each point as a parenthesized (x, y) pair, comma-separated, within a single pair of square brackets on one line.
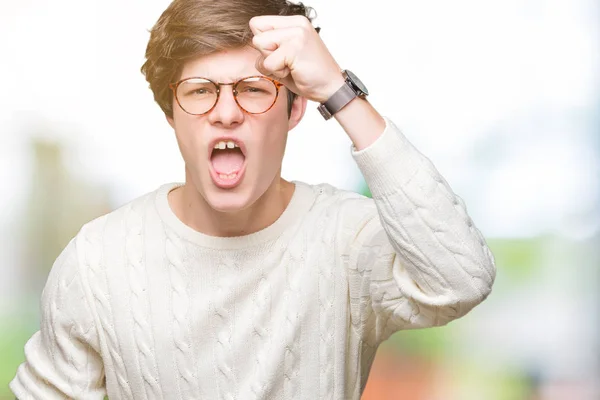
[(229, 320)]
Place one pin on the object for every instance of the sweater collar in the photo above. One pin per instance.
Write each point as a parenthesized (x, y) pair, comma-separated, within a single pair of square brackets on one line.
[(299, 205)]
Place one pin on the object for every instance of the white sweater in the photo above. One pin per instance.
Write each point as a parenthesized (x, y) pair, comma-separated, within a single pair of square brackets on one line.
[(140, 306)]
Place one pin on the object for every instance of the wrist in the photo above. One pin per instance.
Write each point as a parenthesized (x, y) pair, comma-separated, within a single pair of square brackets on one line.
[(361, 122), (350, 89), (334, 85)]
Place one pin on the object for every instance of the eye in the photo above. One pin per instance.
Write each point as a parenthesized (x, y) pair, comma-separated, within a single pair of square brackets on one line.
[(253, 90), (198, 88)]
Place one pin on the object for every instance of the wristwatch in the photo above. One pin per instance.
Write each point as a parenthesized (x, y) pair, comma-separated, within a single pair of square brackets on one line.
[(352, 89)]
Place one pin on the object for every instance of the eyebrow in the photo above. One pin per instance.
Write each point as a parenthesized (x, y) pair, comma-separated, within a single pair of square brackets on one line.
[(231, 78)]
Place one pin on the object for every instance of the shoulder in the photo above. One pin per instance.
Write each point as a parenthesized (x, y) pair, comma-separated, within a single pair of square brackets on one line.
[(348, 206), (112, 228), (340, 198), (132, 211), (326, 193)]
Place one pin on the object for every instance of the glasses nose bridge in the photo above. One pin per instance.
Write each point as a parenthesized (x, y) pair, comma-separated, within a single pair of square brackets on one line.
[(219, 100), (232, 84)]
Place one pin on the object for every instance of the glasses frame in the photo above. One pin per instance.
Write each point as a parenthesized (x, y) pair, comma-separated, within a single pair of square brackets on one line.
[(175, 86)]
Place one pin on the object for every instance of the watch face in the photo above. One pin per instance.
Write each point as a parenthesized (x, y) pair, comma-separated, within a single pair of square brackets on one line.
[(357, 82)]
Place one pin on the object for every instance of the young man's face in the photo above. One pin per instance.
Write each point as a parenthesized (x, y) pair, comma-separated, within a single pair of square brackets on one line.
[(226, 179)]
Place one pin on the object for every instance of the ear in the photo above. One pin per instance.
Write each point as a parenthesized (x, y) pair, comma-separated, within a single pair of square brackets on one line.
[(298, 110), (170, 121)]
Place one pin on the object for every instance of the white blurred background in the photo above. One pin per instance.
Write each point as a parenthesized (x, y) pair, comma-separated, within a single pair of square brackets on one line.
[(502, 96)]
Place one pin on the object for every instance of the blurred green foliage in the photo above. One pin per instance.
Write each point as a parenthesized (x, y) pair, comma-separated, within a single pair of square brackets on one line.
[(15, 330)]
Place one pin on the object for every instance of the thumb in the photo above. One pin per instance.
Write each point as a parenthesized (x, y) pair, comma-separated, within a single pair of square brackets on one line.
[(260, 65), (275, 74)]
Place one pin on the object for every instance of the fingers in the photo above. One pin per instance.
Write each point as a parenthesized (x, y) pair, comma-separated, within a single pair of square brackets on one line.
[(265, 23), (274, 65), (272, 40), (275, 47)]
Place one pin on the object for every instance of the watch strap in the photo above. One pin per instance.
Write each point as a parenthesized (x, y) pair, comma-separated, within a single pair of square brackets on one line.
[(337, 101)]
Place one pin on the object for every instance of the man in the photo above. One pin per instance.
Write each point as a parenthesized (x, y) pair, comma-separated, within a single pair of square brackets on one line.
[(239, 284)]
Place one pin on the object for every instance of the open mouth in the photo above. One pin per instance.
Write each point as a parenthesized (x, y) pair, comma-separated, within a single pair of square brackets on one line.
[(228, 160)]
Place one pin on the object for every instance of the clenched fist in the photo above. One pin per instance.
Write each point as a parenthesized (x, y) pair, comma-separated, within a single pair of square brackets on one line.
[(293, 53)]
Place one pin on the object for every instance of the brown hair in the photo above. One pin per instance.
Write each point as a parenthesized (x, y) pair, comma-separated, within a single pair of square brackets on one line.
[(192, 28)]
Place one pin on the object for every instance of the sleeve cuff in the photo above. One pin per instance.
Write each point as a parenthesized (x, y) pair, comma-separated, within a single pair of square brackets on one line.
[(389, 163)]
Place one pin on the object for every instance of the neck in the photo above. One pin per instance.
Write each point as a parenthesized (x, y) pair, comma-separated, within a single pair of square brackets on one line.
[(191, 208)]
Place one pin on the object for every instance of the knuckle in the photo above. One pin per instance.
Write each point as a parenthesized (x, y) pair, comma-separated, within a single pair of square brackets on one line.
[(302, 20), (300, 34)]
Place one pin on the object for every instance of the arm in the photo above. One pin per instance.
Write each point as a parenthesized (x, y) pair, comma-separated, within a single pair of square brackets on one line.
[(416, 259), (62, 358)]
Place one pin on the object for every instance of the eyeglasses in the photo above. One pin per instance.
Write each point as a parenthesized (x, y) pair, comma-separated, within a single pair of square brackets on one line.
[(253, 94)]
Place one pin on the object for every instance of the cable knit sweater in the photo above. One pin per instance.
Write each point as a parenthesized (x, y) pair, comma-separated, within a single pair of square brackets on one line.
[(141, 306)]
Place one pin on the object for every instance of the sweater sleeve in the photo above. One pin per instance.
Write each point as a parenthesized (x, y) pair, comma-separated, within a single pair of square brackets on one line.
[(62, 359), (416, 259)]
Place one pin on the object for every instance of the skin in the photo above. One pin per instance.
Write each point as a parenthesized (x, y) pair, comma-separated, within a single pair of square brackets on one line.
[(288, 49), (262, 195)]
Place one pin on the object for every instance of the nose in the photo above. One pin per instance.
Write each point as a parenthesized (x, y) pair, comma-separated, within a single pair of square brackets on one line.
[(226, 112)]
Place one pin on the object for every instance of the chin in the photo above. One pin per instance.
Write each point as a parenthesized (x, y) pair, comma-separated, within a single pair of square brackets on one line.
[(228, 201)]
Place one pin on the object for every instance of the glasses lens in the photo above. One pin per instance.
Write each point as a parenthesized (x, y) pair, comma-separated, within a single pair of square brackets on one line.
[(256, 95), (197, 95)]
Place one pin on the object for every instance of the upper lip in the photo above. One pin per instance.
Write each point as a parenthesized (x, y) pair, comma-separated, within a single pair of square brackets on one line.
[(233, 139)]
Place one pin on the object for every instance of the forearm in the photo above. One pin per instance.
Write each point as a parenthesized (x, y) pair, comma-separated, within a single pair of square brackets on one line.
[(427, 224), (363, 124)]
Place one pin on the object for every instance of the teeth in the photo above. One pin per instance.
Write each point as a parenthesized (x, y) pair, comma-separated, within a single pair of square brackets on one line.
[(222, 145), (230, 176)]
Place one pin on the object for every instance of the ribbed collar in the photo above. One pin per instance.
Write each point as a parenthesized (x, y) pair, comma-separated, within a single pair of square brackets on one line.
[(301, 201)]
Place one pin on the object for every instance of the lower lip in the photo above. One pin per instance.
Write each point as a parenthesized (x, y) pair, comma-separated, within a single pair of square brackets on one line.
[(227, 183)]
